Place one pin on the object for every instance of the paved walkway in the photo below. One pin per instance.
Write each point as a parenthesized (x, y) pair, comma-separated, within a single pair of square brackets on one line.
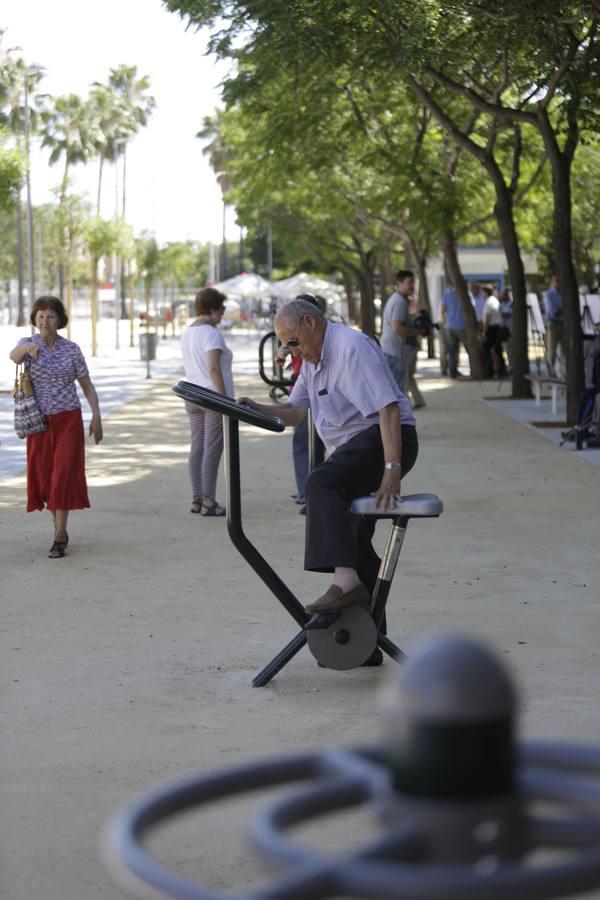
[(118, 375), (130, 661), (540, 418)]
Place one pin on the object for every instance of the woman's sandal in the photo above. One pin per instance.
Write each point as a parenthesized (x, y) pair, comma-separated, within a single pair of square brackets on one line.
[(214, 510), (196, 506), (57, 550)]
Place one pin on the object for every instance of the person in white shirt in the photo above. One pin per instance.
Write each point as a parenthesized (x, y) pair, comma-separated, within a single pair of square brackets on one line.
[(207, 362), (478, 300), (492, 335)]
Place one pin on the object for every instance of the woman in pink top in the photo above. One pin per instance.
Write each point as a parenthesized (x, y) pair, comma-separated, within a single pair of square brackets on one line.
[(55, 457)]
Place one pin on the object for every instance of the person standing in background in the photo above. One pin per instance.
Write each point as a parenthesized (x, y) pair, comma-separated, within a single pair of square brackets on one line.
[(506, 311), (397, 328), (478, 300), (555, 324), (454, 328), (207, 362), (413, 345), (492, 335)]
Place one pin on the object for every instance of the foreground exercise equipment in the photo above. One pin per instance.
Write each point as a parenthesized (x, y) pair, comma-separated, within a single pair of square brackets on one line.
[(460, 809), (341, 640)]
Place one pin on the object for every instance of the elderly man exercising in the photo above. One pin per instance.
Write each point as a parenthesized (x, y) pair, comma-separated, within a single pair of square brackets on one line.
[(368, 430)]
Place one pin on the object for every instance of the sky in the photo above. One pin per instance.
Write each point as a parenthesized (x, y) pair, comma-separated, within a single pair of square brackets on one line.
[(171, 189)]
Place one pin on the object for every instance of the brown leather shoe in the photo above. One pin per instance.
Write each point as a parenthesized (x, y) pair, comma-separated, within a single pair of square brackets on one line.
[(335, 599)]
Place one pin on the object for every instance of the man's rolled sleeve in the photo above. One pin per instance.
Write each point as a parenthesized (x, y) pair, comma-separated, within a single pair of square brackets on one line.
[(299, 394)]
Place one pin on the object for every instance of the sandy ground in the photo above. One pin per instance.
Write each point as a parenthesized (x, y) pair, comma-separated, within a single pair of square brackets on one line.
[(130, 661)]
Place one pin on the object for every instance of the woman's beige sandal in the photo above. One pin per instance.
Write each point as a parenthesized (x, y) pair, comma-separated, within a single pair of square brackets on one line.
[(214, 510)]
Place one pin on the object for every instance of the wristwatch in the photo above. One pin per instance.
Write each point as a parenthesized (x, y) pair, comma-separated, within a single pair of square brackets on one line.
[(396, 466)]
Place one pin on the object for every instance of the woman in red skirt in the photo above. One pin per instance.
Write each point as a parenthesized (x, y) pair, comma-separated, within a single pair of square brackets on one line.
[(55, 457)]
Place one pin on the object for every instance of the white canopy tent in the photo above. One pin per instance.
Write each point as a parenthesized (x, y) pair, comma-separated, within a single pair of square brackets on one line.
[(247, 286), (304, 283)]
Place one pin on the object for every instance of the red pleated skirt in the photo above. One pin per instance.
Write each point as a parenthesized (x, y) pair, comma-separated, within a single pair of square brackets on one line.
[(56, 464)]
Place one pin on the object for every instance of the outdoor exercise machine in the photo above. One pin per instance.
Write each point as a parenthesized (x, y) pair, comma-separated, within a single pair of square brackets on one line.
[(341, 640), (460, 809)]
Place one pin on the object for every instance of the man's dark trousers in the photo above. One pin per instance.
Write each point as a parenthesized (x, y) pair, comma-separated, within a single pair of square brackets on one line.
[(334, 537)]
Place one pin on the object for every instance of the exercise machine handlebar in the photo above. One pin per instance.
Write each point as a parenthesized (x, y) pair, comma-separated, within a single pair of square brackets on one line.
[(209, 399)]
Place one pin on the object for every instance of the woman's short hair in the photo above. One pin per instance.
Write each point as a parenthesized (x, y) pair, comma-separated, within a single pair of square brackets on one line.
[(208, 300), (53, 303)]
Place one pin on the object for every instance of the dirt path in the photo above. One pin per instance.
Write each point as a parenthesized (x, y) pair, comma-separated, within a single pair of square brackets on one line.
[(130, 661)]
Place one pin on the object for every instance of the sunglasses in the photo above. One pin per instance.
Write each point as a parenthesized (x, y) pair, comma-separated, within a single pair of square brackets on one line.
[(295, 341)]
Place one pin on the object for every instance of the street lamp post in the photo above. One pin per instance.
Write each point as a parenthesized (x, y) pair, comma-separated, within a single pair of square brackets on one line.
[(117, 263), (28, 189)]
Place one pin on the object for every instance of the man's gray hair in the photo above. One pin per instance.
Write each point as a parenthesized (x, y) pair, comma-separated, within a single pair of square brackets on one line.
[(291, 313)]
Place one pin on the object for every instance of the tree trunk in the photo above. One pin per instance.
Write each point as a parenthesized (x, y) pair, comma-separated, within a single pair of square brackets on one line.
[(68, 287), (124, 178), (386, 271), (64, 267), (474, 345), (424, 300), (504, 214), (418, 261), (124, 264), (366, 286), (94, 304), (99, 185), (21, 317), (133, 294), (124, 313), (349, 287), (567, 280), (503, 210)]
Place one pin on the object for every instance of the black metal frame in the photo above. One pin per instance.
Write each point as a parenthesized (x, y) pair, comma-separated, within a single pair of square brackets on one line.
[(262, 568), (279, 382), (234, 413)]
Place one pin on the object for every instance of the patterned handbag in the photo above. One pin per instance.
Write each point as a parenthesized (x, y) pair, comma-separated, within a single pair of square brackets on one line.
[(28, 418)]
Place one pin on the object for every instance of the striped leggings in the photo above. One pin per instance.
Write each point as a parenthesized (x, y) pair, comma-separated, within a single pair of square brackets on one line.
[(206, 428)]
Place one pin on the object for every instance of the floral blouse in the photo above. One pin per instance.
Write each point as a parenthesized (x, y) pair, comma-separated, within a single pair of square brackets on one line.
[(53, 374)]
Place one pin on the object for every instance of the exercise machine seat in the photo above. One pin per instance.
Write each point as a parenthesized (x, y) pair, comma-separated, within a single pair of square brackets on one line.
[(412, 506)]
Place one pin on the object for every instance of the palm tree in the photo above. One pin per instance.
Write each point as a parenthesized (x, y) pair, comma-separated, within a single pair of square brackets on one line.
[(219, 157), (13, 72), (136, 105), (69, 130), (11, 168), (110, 121)]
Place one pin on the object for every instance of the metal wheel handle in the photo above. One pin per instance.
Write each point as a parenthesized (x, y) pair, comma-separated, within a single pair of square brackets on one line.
[(460, 807)]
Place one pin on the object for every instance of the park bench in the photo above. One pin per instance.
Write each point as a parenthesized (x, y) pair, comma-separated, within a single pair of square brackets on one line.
[(555, 384)]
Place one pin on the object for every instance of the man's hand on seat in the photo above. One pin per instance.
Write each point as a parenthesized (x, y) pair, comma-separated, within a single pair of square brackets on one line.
[(389, 490)]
